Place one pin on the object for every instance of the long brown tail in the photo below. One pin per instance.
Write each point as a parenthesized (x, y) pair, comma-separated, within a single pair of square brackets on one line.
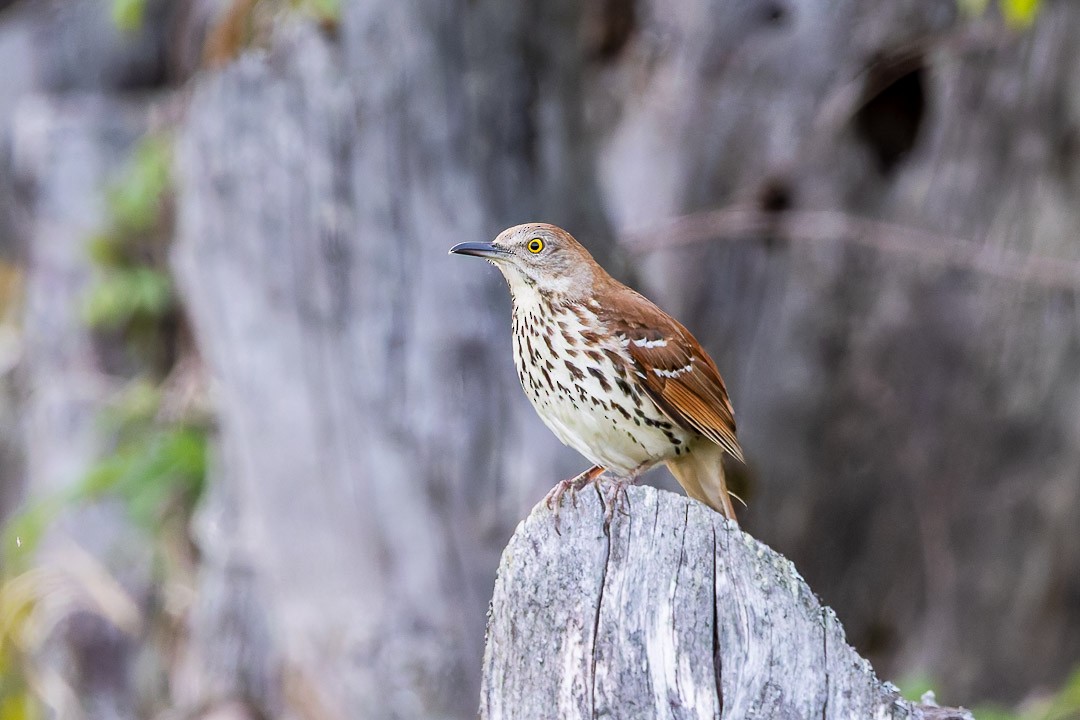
[(701, 474)]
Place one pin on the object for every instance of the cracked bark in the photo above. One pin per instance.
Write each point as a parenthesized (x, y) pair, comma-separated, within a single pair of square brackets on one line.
[(676, 602)]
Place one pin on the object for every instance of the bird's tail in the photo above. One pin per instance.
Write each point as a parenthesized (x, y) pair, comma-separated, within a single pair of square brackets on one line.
[(701, 474)]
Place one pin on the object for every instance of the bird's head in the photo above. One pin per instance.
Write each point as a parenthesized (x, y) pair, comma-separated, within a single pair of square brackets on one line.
[(541, 257)]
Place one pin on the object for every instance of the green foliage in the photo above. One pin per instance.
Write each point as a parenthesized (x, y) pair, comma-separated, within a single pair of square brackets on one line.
[(992, 712), (1066, 704), (1062, 705), (164, 467), (131, 286), (18, 599), (127, 15), (18, 706), (24, 530), (134, 202), (126, 294), (17, 701), (1018, 14), (972, 8), (157, 469), (157, 463), (155, 466), (324, 11), (915, 685)]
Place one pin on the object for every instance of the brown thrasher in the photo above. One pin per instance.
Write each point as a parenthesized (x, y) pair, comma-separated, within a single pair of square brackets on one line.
[(611, 374)]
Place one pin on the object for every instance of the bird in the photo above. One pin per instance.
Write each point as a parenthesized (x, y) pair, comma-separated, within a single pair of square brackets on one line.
[(611, 374)]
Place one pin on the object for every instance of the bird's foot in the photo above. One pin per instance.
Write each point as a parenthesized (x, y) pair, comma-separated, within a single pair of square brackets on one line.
[(613, 499), (574, 485)]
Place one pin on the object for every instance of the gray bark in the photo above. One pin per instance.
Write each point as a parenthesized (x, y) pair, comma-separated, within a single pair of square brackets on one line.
[(901, 412), (671, 613), (85, 50), (375, 447)]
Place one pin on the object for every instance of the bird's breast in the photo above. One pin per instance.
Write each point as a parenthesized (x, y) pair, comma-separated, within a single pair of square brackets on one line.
[(586, 389)]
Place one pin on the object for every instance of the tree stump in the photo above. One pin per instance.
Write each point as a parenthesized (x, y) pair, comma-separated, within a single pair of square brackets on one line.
[(671, 613)]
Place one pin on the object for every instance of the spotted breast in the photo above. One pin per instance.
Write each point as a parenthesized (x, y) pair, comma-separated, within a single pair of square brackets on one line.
[(578, 377)]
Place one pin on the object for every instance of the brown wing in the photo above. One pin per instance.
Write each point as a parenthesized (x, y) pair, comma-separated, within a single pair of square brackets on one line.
[(677, 373)]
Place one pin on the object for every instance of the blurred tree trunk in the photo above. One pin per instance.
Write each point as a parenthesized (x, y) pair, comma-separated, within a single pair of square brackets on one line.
[(910, 413), (69, 131), (376, 450), (93, 569)]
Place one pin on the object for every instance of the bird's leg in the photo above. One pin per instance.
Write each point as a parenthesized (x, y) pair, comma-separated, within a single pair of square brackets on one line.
[(554, 497)]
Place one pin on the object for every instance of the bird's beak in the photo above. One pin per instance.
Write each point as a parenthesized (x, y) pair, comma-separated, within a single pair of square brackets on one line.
[(479, 249)]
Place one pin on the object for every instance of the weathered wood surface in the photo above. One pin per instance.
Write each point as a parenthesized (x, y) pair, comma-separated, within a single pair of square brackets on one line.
[(673, 613)]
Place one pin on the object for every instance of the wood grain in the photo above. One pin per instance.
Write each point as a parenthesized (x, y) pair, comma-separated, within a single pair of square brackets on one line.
[(673, 614)]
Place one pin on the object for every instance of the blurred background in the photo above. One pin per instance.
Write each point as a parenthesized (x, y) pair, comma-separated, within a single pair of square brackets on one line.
[(261, 440)]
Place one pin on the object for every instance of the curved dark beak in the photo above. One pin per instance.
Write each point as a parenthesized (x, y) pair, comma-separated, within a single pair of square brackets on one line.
[(484, 250)]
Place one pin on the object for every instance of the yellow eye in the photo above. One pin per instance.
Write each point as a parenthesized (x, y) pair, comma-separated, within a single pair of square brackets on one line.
[(535, 245)]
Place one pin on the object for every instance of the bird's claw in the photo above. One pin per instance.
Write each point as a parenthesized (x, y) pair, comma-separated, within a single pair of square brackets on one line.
[(574, 485), (612, 500)]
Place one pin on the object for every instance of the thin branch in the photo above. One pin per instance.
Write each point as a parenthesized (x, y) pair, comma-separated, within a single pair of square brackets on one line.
[(735, 222)]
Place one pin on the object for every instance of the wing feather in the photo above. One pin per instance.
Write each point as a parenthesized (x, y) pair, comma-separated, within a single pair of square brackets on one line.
[(677, 373)]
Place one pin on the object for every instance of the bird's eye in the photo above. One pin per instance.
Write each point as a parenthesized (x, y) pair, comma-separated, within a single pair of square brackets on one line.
[(535, 245)]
